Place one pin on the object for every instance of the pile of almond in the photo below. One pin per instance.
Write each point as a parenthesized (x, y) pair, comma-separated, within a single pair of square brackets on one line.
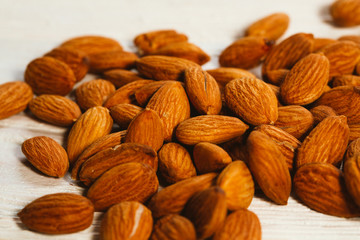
[(208, 137)]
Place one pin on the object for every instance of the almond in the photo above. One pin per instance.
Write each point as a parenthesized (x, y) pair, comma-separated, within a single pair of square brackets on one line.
[(58, 213), (353, 38), (357, 69), (321, 112), (345, 13), (352, 176), (352, 149), (124, 113), (210, 128), (127, 220), (46, 155), (133, 181), (354, 131), (144, 94), (276, 91), (173, 227), (277, 76), (320, 43), (343, 80), (224, 75), (121, 77), (238, 185), (103, 61), (236, 148), (14, 98), (252, 100), (203, 91), (269, 168), (93, 124), (321, 187), (55, 109)]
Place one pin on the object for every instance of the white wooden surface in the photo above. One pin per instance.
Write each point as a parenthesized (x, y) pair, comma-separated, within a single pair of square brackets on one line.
[(28, 29)]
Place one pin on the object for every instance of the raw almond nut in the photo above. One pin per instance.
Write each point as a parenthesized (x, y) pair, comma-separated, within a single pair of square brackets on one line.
[(276, 91), (121, 77), (93, 93), (236, 148), (103, 61), (345, 13), (144, 94), (209, 157), (321, 187), (320, 43), (353, 38), (210, 128), (224, 75), (58, 213), (171, 103), (343, 80), (133, 181), (48, 75), (207, 211), (352, 149), (352, 176), (163, 67), (296, 120), (269, 168), (172, 199), (55, 109), (238, 185), (127, 220), (354, 131), (252, 100), (173, 227), (184, 50), (203, 91), (124, 113), (306, 80), (245, 53), (46, 155), (333, 134), (111, 157), (241, 224), (277, 76), (271, 27), (14, 98), (175, 163), (321, 112), (93, 124)]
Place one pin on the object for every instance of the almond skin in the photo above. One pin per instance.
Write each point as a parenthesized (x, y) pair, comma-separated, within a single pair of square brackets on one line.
[(345, 13), (238, 185), (14, 98), (124, 113), (46, 155), (224, 75), (252, 100), (48, 75), (121, 77), (320, 43), (343, 80), (127, 220), (352, 176), (55, 109), (58, 213), (321, 187), (352, 149), (333, 134), (133, 181), (210, 128), (353, 38), (354, 131), (321, 112), (173, 227), (269, 168), (93, 124), (277, 76), (100, 62), (306, 80), (144, 94), (203, 91)]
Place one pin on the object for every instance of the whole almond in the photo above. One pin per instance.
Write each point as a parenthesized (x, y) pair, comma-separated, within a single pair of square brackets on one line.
[(173, 227), (127, 220), (144, 94), (121, 77), (224, 75), (103, 61), (252, 100), (345, 13), (93, 124), (343, 80), (47, 75), (133, 181), (58, 213), (210, 128), (14, 98), (203, 91), (124, 113), (321, 187), (46, 155), (352, 176), (321, 112)]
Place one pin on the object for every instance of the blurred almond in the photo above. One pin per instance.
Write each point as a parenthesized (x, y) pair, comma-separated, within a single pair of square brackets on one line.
[(352, 38), (103, 61), (124, 113), (320, 43), (345, 13), (173, 227), (321, 112), (121, 77), (352, 176)]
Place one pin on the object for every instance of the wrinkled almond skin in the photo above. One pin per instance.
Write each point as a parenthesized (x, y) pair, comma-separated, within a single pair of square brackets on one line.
[(46, 155), (277, 76), (203, 91), (131, 181), (207, 211), (209, 157), (58, 213), (252, 100), (93, 93), (320, 43), (343, 80), (55, 109), (333, 134), (306, 80), (173, 227), (171, 103), (270, 27), (111, 157), (100, 62), (241, 224), (321, 112), (144, 94), (121, 77), (93, 124), (223, 75), (353, 38), (321, 187), (124, 113), (352, 177), (127, 220), (352, 149), (14, 98), (175, 163), (236, 148), (238, 185), (345, 13), (269, 168), (163, 67), (47, 75), (172, 199), (210, 128), (354, 131)]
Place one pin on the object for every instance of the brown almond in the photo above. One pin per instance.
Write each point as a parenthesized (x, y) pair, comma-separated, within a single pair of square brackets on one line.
[(173, 227), (343, 80), (236, 148), (321, 112), (124, 113), (354, 131), (144, 94), (352, 176), (352, 149), (103, 61), (121, 77), (223, 75), (345, 13), (277, 76), (320, 43), (353, 38)]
